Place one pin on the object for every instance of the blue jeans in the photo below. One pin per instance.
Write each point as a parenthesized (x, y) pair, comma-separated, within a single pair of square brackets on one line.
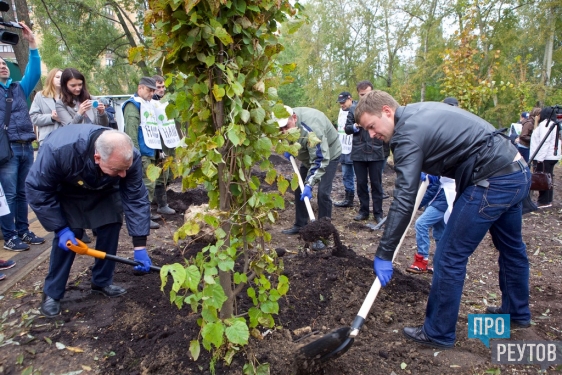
[(12, 177), (524, 151), (497, 209), (431, 217), (61, 261), (348, 177)]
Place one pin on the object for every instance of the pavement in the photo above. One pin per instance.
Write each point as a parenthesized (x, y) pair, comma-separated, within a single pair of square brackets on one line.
[(26, 261)]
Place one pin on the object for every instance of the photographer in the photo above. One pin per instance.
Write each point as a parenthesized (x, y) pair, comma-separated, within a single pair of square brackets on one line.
[(19, 128)]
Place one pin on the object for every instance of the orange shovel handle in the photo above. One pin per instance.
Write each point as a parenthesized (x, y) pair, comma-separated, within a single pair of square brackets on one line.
[(83, 249)]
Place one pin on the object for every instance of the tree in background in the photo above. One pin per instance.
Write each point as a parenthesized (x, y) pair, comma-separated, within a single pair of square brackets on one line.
[(94, 36)]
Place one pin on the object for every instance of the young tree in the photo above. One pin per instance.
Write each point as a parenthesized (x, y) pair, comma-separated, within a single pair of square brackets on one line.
[(219, 57)]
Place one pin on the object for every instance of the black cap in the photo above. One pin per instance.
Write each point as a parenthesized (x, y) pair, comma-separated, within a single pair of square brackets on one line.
[(148, 82), (451, 101), (344, 96)]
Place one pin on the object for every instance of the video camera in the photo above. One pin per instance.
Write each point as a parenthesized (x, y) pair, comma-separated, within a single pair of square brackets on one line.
[(6, 36)]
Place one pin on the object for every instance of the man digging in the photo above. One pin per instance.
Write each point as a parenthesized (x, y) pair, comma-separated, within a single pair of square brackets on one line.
[(492, 180)]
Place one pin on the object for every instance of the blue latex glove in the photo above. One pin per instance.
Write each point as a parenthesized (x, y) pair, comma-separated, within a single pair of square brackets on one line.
[(141, 256), (306, 193), (355, 128), (287, 155), (64, 235), (423, 176), (383, 270)]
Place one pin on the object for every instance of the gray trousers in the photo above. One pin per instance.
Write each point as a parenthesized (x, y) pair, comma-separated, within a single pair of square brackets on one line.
[(323, 195)]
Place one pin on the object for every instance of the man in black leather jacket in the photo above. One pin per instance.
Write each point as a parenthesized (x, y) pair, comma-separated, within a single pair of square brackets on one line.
[(492, 180)]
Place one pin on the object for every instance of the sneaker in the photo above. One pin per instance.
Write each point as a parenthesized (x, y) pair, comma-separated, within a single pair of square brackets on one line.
[(15, 244), (2, 276), (32, 239), (419, 265), (6, 264), (546, 205), (166, 210)]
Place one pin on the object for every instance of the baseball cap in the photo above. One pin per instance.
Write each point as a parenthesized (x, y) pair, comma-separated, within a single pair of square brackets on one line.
[(344, 96), (283, 121), (451, 101), (525, 114), (148, 82)]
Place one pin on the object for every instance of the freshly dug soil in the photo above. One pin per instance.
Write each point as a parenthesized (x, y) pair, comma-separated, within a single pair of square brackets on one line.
[(143, 333)]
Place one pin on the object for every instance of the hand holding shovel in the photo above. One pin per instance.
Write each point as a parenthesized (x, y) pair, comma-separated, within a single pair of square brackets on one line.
[(83, 249)]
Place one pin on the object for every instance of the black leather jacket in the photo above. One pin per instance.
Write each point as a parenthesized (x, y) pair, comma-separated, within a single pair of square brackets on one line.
[(440, 140), (364, 148)]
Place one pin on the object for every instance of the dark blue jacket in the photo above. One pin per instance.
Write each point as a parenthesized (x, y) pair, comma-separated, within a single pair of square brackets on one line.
[(20, 127), (435, 197), (66, 158)]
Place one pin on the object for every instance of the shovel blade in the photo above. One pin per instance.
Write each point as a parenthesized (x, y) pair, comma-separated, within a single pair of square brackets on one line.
[(324, 346)]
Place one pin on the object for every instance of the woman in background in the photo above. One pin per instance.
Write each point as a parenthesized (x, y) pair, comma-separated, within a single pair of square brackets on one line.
[(42, 112), (545, 159), (76, 105)]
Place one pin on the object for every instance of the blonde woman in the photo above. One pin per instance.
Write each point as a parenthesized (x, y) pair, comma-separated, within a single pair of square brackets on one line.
[(76, 105), (43, 113)]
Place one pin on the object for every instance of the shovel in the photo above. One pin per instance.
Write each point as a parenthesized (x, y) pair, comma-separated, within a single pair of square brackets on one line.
[(301, 185), (83, 249), (337, 342)]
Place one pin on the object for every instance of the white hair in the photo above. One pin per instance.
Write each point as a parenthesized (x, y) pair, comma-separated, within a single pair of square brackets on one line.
[(111, 141)]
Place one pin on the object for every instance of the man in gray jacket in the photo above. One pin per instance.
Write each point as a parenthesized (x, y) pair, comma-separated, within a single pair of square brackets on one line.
[(492, 179), (319, 153)]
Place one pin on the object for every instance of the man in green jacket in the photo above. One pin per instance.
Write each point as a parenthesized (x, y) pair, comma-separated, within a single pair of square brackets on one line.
[(151, 154), (319, 155)]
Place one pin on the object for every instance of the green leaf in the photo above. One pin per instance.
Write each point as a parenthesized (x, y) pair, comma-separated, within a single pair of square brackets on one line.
[(258, 115), (238, 333), (209, 60), (214, 295), (245, 116), (234, 135), (209, 314), (195, 349), (263, 369), (237, 88), (223, 35), (270, 176), (213, 333), (153, 172), (270, 307), (192, 278), (178, 274), (226, 264)]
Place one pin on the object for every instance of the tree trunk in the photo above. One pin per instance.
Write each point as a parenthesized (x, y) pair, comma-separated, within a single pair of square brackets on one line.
[(21, 50), (547, 61)]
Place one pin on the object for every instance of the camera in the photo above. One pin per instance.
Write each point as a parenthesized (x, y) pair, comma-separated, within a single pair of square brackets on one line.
[(6, 36)]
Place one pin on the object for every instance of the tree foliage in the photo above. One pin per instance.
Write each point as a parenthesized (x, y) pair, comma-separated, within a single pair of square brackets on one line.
[(82, 33), (219, 58)]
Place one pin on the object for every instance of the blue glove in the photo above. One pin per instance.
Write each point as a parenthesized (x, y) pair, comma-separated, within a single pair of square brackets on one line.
[(306, 193), (65, 235), (287, 155), (383, 270), (141, 256), (423, 176)]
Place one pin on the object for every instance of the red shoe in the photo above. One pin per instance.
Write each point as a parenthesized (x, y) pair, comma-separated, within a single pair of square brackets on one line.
[(419, 265)]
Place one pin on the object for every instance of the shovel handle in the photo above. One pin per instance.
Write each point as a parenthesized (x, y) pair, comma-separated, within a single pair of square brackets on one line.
[(376, 287), (301, 185), (83, 249)]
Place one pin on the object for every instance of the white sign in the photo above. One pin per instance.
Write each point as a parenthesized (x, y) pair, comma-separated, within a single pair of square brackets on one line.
[(167, 127), (345, 139), (149, 124), (4, 209)]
